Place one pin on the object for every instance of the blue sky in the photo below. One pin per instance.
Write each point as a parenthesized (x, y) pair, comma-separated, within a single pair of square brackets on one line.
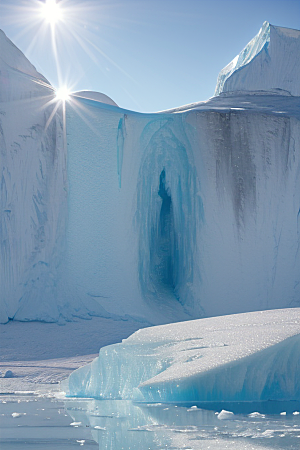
[(147, 55)]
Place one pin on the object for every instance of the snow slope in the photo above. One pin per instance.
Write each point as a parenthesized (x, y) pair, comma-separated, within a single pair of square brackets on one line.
[(271, 61), (245, 357)]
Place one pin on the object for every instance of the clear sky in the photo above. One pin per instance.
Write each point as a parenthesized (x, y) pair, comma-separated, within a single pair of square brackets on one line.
[(147, 55)]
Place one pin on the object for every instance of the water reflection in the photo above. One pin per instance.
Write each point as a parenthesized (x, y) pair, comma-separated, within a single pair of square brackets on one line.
[(123, 425)]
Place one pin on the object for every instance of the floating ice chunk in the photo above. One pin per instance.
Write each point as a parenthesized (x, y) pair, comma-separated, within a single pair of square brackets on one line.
[(8, 374), (192, 408), (256, 414), (225, 415)]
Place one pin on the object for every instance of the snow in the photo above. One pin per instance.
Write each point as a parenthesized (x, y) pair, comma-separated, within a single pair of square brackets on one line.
[(13, 61), (269, 62), (32, 172), (8, 374), (225, 415), (239, 358), (40, 355), (144, 219), (96, 96), (198, 209), (157, 218)]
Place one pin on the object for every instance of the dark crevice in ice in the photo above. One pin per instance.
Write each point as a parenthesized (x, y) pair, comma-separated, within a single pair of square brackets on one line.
[(163, 245)]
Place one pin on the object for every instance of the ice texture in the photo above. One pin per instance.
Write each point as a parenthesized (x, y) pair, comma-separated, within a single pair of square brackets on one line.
[(161, 217), (33, 195), (181, 215), (244, 357), (32, 198), (271, 61)]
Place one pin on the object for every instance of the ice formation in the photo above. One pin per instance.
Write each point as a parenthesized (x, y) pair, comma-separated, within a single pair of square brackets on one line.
[(32, 196), (271, 61), (162, 217), (98, 96), (244, 357)]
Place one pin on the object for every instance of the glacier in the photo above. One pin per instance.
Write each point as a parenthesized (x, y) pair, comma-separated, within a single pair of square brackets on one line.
[(162, 217), (249, 357), (33, 197), (269, 62), (33, 171)]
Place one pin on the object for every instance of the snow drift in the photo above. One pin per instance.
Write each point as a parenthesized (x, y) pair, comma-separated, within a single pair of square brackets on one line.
[(245, 357), (162, 217)]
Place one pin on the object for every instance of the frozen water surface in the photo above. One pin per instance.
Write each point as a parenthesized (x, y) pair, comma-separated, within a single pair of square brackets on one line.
[(38, 422), (45, 422)]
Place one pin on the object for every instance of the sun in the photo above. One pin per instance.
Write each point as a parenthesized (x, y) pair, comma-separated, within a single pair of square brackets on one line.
[(63, 94), (51, 12)]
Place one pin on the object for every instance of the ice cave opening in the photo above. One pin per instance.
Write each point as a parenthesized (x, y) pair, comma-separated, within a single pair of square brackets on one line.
[(163, 245)]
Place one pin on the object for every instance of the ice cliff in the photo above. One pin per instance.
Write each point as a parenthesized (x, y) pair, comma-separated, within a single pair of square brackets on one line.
[(244, 357), (163, 217), (32, 195), (271, 61), (33, 200)]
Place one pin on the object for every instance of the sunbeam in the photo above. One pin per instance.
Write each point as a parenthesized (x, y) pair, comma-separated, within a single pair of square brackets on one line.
[(66, 27), (51, 12)]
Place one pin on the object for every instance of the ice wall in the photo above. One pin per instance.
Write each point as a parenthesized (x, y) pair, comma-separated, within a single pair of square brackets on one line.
[(245, 357), (180, 215), (271, 61), (133, 191), (32, 198), (162, 217), (33, 195)]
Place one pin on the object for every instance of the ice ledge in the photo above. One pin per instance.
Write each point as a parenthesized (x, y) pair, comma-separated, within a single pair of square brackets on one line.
[(270, 61), (243, 357)]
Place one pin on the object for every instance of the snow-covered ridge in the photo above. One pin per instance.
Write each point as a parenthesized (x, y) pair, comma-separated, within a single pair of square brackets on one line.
[(244, 357), (18, 74), (270, 61), (15, 59), (96, 96)]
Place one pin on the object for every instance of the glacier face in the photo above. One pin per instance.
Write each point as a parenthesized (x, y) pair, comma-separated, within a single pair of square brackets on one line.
[(245, 357), (174, 215), (169, 216), (269, 62), (32, 196)]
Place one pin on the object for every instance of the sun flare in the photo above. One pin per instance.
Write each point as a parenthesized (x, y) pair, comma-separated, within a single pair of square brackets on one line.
[(51, 12), (63, 94)]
